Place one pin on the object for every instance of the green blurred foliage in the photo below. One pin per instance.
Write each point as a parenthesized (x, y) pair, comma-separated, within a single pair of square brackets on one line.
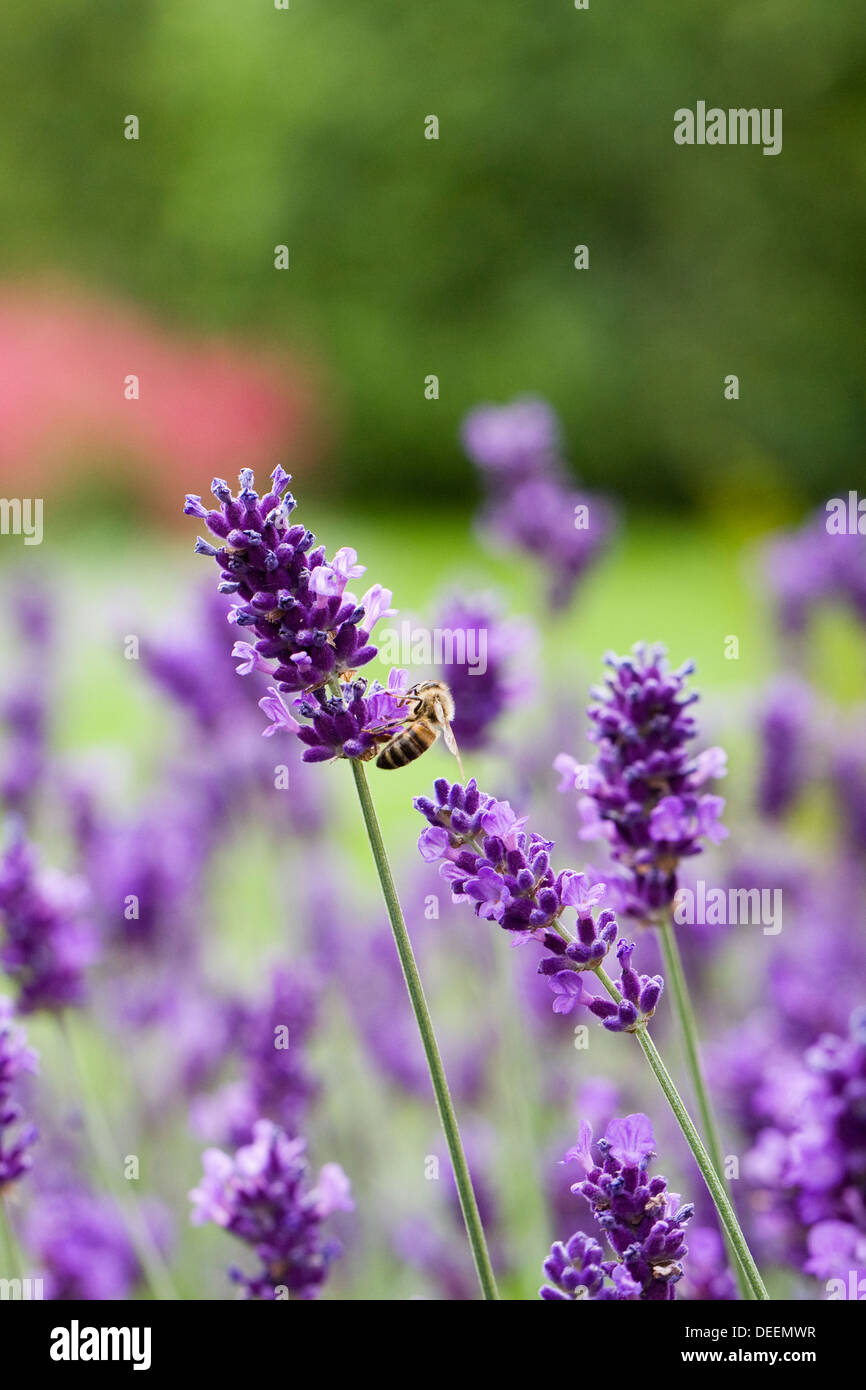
[(409, 256)]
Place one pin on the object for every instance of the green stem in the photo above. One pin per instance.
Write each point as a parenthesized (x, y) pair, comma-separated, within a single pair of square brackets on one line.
[(105, 1154), (675, 976), (9, 1252), (715, 1186), (447, 1116)]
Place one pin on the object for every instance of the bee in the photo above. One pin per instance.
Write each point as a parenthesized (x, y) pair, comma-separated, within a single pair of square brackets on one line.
[(431, 706)]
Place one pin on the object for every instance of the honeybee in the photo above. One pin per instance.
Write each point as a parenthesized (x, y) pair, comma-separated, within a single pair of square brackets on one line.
[(431, 706)]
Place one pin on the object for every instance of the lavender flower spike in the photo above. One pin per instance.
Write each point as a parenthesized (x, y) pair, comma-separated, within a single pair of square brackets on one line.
[(530, 503), (643, 1222), (492, 862), (48, 944), (16, 1060), (293, 601), (317, 634), (263, 1197), (645, 794)]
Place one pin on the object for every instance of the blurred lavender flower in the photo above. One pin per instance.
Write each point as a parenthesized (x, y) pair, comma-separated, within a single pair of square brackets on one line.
[(483, 692), (513, 441), (811, 1163), (783, 727), (644, 791), (294, 601), (437, 1254), (643, 1222), (16, 1060), (372, 979), (81, 1247), (420, 1246), (707, 1275), (196, 671), (277, 1083), (263, 1197), (272, 1041), (48, 945), (811, 566), (530, 504), (24, 707), (848, 778), (146, 874)]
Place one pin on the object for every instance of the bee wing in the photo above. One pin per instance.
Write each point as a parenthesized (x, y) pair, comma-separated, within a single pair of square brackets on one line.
[(451, 745)]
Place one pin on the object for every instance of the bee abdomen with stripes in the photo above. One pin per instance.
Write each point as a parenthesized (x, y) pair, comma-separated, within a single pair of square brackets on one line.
[(408, 746)]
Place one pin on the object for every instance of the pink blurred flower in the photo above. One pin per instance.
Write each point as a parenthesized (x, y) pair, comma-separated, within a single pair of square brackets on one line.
[(206, 406)]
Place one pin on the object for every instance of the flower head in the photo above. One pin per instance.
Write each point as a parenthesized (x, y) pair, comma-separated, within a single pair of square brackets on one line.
[(814, 565), (485, 654), (644, 794), (493, 862), (82, 1247), (643, 1222), (263, 1196), (48, 944), (530, 503), (16, 1060), (292, 599), (355, 725), (811, 1160)]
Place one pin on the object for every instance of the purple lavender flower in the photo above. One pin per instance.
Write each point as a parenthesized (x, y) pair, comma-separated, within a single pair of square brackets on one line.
[(24, 708), (48, 945), (848, 776), (488, 858), (811, 1161), (515, 440), (578, 1270), (643, 1222), (485, 687), (783, 729), (644, 791), (195, 669), (640, 996), (492, 862), (81, 1247), (293, 601), (263, 1197), (707, 1274), (16, 1060), (277, 1083), (353, 726), (812, 566), (530, 503), (370, 974)]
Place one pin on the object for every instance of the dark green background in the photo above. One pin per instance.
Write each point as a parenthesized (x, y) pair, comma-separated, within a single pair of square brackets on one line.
[(410, 256)]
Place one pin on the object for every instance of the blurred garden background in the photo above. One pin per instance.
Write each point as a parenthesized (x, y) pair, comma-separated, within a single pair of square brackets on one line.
[(154, 258)]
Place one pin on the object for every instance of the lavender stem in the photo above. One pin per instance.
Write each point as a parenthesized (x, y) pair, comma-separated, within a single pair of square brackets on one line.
[(675, 973), (715, 1186), (9, 1252), (445, 1106)]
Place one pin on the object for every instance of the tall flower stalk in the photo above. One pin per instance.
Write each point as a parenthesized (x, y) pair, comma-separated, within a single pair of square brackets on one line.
[(444, 1103), (311, 636), (492, 862), (646, 797)]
